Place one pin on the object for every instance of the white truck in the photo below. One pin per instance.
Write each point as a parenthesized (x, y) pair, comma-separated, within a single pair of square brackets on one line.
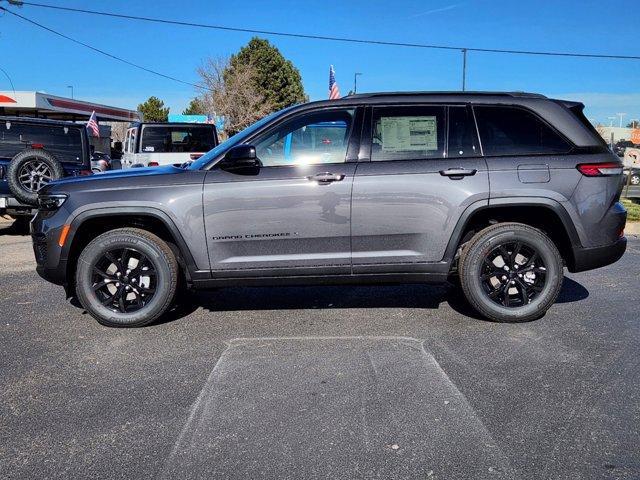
[(153, 144)]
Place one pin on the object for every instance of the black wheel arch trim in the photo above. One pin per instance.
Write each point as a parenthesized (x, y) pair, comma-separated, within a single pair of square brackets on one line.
[(484, 205), (190, 267)]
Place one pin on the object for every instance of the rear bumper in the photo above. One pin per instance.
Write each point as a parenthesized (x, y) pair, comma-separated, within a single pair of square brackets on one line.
[(596, 257), (10, 206)]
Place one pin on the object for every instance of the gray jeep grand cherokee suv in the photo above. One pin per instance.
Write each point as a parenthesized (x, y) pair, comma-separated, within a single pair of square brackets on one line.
[(495, 191)]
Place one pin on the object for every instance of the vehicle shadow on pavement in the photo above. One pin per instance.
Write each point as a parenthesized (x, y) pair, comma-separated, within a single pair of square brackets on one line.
[(335, 297), (13, 227)]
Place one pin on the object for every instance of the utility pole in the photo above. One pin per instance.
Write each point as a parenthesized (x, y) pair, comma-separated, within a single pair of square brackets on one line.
[(71, 87), (464, 69), (355, 82), (621, 115)]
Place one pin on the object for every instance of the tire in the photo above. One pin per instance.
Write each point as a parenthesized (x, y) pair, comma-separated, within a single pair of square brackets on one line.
[(530, 286), (104, 303), (635, 179), (24, 186)]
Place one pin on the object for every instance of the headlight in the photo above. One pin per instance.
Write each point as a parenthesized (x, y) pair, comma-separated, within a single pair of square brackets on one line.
[(51, 202)]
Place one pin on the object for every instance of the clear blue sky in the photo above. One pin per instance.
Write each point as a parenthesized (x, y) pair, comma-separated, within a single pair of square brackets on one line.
[(36, 60)]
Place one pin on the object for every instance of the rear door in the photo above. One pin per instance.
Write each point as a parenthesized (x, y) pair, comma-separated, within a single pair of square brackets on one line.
[(423, 168)]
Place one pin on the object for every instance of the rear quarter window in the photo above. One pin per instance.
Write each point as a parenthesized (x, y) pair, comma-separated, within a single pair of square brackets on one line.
[(516, 131)]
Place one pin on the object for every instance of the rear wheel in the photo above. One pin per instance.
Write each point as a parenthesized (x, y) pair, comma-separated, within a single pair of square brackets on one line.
[(126, 278), (511, 272)]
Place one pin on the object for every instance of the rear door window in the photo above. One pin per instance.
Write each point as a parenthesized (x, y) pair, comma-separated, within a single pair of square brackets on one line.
[(462, 138), (408, 133), (516, 131)]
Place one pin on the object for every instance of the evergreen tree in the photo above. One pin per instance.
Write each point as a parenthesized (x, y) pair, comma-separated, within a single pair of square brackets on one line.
[(153, 110)]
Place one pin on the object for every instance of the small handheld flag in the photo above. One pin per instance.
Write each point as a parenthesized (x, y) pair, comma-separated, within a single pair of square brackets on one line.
[(334, 92), (92, 125)]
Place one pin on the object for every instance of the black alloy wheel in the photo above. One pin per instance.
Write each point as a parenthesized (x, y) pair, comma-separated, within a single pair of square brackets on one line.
[(124, 280), (513, 274)]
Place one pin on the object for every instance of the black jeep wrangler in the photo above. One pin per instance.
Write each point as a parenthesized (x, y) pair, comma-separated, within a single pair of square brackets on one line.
[(34, 152)]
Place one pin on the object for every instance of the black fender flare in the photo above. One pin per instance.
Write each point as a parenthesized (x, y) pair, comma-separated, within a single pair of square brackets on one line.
[(189, 263), (483, 205)]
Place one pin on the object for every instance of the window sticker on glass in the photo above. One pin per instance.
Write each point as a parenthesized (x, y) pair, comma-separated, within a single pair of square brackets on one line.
[(401, 134), (149, 149)]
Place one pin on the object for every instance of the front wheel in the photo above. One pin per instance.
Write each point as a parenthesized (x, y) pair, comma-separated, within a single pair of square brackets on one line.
[(126, 277), (511, 272)]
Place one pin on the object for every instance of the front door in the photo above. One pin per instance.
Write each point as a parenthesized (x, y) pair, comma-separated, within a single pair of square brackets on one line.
[(292, 216), (419, 178)]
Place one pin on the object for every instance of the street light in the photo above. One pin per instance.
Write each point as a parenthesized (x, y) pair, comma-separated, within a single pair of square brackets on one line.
[(355, 81), (71, 87)]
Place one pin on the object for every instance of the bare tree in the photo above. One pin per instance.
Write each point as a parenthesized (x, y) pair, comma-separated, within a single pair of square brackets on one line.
[(118, 130), (231, 93)]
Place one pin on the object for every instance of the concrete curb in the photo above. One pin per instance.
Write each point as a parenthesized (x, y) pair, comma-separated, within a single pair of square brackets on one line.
[(632, 228)]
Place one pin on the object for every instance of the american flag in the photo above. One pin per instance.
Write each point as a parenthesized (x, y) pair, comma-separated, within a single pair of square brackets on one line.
[(334, 92), (92, 125)]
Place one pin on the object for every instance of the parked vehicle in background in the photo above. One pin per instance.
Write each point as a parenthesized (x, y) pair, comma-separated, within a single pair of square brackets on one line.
[(621, 146), (495, 192), (34, 152), (100, 162), (153, 144)]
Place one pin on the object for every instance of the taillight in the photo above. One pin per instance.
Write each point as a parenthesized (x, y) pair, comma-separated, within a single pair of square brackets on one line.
[(604, 169), (152, 164), (37, 145)]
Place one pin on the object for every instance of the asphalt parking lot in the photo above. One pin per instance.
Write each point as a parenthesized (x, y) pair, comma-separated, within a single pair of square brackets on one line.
[(328, 382)]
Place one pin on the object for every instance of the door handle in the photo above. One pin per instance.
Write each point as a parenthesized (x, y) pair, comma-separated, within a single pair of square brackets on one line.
[(325, 177), (457, 173)]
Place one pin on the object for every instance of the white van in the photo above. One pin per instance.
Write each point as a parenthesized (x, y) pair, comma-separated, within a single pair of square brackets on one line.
[(153, 144)]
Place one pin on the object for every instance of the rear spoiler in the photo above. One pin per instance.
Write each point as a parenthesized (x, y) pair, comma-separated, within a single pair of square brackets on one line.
[(577, 108)]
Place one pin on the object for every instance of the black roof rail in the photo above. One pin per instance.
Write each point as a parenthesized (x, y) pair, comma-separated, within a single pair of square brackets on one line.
[(456, 93)]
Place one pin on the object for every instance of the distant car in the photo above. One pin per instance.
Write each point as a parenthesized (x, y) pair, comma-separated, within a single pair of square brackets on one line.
[(154, 144), (34, 152), (621, 146), (100, 162)]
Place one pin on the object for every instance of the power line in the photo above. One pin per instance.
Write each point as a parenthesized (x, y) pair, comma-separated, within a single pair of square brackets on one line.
[(9, 78), (334, 39), (102, 52)]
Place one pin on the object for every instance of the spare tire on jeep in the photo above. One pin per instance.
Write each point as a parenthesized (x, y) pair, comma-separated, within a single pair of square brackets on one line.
[(29, 171)]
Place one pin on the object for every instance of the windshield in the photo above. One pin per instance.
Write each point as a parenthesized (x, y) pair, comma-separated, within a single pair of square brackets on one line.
[(174, 139), (234, 140)]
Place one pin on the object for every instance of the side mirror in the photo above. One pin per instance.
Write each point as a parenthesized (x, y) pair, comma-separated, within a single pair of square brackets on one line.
[(241, 159)]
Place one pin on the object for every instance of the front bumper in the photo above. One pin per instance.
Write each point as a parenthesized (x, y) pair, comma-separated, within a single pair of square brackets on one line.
[(51, 262), (596, 257)]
